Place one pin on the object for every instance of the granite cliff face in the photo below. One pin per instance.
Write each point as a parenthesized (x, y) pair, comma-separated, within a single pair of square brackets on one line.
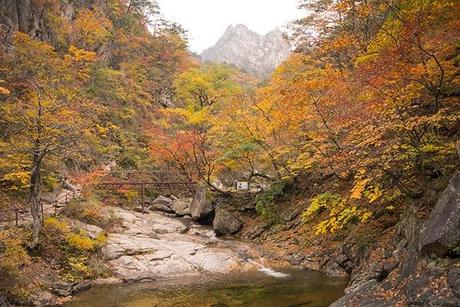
[(32, 17), (42, 20), (258, 54), (24, 16)]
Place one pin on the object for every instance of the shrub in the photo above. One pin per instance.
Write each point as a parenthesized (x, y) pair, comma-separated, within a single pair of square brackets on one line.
[(72, 250), (265, 201), (363, 187), (53, 225), (50, 182), (340, 213), (21, 293), (77, 269), (321, 202), (81, 242), (13, 257), (101, 240), (91, 213)]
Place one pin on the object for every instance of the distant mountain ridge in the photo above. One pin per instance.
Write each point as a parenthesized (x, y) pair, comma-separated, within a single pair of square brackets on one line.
[(257, 54)]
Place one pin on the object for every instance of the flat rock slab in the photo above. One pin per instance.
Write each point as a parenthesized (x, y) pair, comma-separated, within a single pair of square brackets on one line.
[(154, 246)]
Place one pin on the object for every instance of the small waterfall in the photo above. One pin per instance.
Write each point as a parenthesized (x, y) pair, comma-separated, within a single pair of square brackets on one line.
[(268, 271)]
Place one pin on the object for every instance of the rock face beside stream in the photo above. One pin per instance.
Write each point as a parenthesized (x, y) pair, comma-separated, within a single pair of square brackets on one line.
[(441, 233), (153, 246), (426, 266)]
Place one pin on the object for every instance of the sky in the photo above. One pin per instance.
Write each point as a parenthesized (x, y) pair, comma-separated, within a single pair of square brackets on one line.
[(207, 20)]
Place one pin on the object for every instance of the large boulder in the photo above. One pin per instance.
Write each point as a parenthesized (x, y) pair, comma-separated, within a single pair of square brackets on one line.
[(181, 206), (225, 223), (441, 232), (162, 204), (360, 297), (202, 208)]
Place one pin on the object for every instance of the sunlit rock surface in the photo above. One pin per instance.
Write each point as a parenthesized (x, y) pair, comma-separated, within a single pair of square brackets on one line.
[(154, 246)]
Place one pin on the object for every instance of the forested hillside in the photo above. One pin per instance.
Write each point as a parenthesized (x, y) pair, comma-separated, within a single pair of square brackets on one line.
[(353, 135), (372, 100), (81, 95)]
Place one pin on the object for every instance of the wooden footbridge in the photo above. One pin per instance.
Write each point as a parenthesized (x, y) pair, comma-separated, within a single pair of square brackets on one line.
[(158, 181)]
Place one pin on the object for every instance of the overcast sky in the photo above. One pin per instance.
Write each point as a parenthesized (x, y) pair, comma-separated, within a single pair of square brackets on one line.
[(207, 20)]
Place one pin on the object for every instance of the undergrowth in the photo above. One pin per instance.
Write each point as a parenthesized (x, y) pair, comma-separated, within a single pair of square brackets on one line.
[(72, 250), (339, 213), (91, 212), (265, 202), (13, 257)]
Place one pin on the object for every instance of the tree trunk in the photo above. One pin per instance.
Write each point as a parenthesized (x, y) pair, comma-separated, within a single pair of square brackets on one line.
[(458, 149), (35, 176), (35, 187)]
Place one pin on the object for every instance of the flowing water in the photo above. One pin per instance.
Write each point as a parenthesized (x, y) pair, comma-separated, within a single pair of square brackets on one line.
[(264, 288)]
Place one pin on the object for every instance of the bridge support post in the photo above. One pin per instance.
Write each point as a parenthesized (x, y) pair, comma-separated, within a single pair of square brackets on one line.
[(142, 198)]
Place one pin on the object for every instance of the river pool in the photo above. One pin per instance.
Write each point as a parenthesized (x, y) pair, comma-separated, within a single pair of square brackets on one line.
[(298, 288)]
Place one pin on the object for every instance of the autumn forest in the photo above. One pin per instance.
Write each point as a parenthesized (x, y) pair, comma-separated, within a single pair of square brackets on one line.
[(348, 146)]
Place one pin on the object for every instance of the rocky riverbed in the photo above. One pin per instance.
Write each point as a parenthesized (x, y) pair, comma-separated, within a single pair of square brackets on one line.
[(154, 245)]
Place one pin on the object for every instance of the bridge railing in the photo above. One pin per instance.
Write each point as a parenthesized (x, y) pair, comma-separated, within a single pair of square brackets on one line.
[(17, 214), (163, 175), (153, 182), (145, 185), (4, 215)]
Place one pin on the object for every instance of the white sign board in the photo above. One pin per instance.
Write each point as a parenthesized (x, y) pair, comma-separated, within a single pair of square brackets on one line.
[(242, 185)]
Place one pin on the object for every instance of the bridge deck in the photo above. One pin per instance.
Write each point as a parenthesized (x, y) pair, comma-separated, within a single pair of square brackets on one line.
[(146, 185)]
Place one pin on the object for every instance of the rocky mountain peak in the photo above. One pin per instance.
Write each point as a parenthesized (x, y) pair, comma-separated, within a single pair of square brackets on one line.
[(257, 54)]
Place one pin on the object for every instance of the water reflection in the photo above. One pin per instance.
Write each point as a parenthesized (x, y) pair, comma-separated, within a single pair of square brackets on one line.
[(299, 288)]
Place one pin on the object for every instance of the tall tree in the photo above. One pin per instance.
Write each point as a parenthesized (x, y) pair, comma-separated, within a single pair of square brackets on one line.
[(45, 112)]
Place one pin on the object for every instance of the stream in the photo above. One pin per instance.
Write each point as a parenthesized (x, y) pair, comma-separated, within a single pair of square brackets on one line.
[(287, 288), (170, 261)]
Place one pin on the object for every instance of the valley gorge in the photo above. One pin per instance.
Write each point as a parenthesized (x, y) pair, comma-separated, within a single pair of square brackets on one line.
[(314, 166)]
